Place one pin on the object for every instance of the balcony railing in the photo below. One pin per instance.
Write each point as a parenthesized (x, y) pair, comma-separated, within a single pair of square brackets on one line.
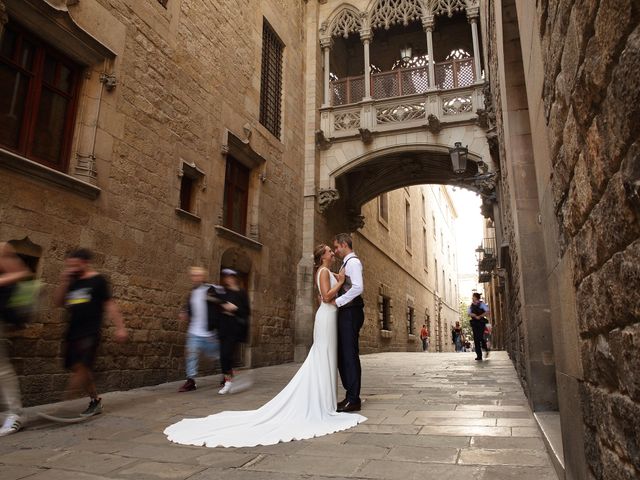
[(404, 82)]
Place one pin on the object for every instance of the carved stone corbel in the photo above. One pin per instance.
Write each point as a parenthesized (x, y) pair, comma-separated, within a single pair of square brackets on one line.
[(326, 198), (366, 135), (483, 118), (355, 220), (433, 124), (109, 80), (322, 142)]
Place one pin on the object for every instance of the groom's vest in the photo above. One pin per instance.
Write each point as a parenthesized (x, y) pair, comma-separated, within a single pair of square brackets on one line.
[(346, 286)]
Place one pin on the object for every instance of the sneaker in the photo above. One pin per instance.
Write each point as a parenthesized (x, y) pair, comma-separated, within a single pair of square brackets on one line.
[(188, 386), (94, 408), (11, 425), (226, 389)]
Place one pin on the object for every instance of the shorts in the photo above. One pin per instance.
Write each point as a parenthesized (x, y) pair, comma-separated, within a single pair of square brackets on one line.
[(81, 351)]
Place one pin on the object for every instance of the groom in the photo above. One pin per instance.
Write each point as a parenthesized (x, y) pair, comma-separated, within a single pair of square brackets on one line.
[(350, 319)]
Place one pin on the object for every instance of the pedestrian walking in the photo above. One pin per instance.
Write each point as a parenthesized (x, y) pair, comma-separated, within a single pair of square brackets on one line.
[(12, 270), (456, 336), (478, 311), (233, 324), (202, 337), (424, 336), (86, 295)]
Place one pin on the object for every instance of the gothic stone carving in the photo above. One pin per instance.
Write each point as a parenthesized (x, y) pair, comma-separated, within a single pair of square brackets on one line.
[(433, 124), (355, 220), (326, 198), (322, 142), (366, 135)]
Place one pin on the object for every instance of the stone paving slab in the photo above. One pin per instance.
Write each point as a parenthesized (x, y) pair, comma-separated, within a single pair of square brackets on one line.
[(430, 415)]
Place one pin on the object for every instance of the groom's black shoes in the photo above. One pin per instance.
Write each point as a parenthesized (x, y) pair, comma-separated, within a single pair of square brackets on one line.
[(342, 403), (350, 407)]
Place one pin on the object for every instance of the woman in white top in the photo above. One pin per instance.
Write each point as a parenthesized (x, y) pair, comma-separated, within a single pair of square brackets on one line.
[(305, 408)]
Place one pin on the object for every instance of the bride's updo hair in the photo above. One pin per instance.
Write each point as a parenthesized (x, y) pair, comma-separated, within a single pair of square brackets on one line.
[(317, 255)]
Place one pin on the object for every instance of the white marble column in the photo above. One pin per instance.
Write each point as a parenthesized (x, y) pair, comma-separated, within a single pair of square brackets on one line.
[(472, 16), (366, 40), (427, 24), (325, 43)]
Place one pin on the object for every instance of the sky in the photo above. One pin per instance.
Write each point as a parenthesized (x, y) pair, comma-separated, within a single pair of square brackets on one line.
[(468, 236)]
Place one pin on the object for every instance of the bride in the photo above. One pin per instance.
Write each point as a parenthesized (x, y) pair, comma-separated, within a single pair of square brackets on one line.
[(305, 408)]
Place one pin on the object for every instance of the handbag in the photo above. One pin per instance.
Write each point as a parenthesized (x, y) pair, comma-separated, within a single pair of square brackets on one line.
[(22, 305)]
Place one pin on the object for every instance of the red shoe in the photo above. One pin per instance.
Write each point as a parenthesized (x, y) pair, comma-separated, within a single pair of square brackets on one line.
[(188, 386)]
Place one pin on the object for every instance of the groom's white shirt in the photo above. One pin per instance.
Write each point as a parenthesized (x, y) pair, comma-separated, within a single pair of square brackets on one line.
[(353, 270)]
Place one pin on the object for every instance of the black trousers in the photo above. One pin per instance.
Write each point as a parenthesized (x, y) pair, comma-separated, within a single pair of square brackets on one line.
[(227, 350), (350, 320), (478, 336)]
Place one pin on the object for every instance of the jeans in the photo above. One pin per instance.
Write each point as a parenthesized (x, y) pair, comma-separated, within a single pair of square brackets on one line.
[(196, 345), (425, 344), (458, 343)]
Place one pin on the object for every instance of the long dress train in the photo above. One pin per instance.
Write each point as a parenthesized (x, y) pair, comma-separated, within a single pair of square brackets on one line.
[(305, 408)]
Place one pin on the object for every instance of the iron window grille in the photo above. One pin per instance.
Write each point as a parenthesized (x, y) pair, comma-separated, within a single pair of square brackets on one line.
[(271, 80)]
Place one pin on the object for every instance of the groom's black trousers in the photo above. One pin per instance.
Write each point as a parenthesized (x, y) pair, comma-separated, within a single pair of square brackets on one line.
[(350, 320)]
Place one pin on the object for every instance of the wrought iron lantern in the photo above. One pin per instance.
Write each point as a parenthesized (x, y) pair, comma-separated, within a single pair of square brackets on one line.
[(458, 156)]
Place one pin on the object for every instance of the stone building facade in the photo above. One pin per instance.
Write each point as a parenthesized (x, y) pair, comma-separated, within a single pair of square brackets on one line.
[(565, 99), (168, 95)]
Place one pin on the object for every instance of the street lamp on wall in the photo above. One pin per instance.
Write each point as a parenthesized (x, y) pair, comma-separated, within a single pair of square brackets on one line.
[(458, 156)]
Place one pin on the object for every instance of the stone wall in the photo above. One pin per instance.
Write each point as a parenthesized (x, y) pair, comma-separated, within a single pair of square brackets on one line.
[(579, 59), (185, 74), (592, 106)]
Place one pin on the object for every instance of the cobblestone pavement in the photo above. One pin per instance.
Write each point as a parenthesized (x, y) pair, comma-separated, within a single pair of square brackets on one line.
[(433, 415)]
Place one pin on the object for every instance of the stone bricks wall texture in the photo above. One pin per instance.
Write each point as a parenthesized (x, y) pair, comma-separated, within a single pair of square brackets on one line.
[(591, 94), (592, 104), (185, 73)]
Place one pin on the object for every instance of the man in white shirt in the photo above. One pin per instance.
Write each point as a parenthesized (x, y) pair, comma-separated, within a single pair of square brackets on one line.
[(200, 339), (350, 319)]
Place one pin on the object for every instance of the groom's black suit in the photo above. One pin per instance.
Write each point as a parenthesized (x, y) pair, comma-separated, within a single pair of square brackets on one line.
[(350, 320)]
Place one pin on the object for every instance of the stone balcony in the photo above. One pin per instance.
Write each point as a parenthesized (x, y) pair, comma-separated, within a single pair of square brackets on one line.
[(402, 99)]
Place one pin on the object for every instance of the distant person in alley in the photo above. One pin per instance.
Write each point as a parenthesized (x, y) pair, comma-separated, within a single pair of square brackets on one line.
[(478, 311), (424, 336)]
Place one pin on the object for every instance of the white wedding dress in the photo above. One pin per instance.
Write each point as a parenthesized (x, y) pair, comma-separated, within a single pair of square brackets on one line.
[(305, 408)]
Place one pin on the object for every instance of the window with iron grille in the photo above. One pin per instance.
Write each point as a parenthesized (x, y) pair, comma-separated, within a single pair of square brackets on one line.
[(236, 195), (38, 104), (271, 80)]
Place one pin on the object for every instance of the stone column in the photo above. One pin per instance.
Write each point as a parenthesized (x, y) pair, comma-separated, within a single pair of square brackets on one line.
[(366, 40), (325, 43), (427, 24), (472, 16)]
